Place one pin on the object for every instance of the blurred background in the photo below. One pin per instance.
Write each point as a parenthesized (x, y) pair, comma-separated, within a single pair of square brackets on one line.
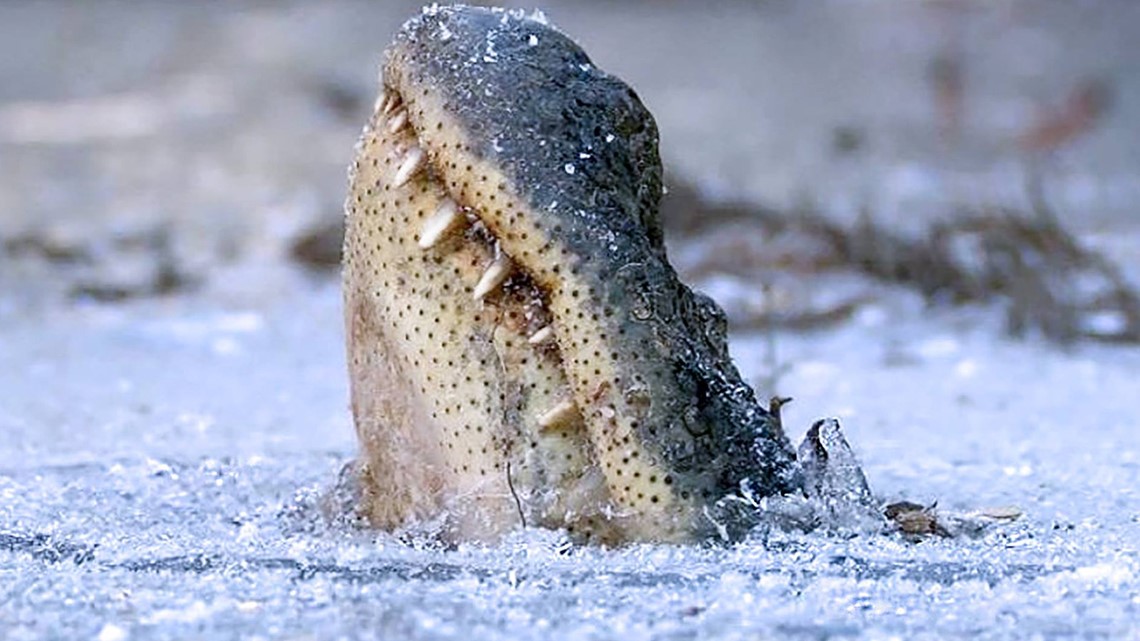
[(150, 148)]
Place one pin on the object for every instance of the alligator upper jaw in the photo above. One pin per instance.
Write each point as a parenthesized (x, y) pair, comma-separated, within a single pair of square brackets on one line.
[(521, 349)]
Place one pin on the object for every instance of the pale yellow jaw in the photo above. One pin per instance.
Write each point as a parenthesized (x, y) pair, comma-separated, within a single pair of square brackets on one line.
[(454, 379)]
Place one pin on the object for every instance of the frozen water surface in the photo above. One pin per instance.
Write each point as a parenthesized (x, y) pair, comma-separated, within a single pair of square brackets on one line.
[(161, 461)]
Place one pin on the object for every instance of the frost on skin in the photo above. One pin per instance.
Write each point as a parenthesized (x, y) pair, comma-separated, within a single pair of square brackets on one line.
[(521, 351)]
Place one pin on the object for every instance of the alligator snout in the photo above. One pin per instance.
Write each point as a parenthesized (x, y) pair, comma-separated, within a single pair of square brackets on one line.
[(521, 351)]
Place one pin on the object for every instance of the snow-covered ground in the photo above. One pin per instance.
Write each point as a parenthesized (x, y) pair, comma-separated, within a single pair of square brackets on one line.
[(160, 456)]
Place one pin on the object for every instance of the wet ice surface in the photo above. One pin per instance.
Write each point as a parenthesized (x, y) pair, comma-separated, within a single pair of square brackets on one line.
[(155, 454)]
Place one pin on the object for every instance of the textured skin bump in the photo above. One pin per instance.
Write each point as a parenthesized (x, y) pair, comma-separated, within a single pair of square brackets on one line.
[(555, 165)]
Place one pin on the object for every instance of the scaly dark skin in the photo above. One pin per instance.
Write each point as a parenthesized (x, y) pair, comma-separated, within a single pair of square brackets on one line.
[(521, 350)]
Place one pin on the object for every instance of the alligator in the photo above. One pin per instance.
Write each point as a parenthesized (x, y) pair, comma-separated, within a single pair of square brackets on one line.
[(521, 352)]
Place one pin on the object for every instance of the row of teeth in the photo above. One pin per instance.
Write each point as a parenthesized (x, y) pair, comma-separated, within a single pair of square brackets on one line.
[(447, 218)]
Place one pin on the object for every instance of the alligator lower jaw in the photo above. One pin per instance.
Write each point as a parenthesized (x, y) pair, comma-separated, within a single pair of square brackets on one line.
[(482, 384)]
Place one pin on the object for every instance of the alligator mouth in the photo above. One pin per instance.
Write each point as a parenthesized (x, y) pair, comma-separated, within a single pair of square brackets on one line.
[(488, 329), (520, 349)]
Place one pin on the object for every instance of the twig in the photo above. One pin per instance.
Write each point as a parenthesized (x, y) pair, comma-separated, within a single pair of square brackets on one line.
[(514, 495)]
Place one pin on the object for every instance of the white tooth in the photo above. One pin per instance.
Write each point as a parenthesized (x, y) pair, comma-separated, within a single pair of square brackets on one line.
[(412, 163), (493, 277), (541, 336), (390, 101), (561, 414), (439, 223), (398, 121)]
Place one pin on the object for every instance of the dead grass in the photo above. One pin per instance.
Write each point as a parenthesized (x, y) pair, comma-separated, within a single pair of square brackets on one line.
[(1048, 281)]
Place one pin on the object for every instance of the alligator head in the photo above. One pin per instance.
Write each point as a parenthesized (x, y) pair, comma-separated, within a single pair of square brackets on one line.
[(520, 349)]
